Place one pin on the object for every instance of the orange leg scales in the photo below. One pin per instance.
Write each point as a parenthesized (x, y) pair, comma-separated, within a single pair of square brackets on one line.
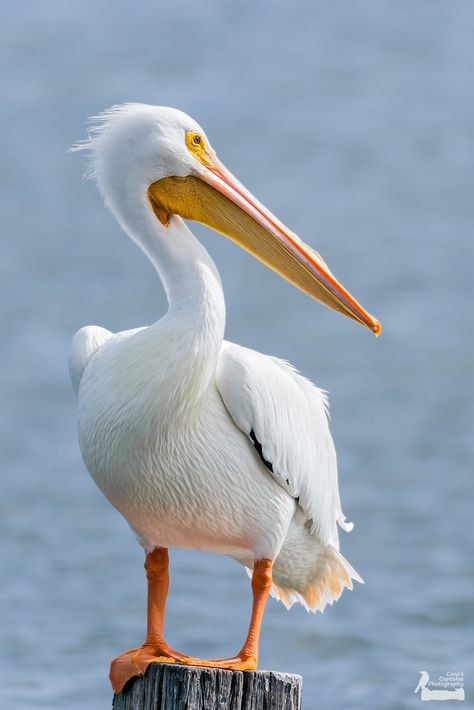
[(136, 660)]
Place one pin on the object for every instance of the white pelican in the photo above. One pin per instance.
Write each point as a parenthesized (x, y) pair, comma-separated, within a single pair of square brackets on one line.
[(196, 441)]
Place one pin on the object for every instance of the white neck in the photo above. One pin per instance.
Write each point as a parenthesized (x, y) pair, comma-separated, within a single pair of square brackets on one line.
[(189, 276)]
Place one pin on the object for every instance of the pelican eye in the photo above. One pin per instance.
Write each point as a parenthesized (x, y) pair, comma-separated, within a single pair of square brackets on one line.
[(196, 145)]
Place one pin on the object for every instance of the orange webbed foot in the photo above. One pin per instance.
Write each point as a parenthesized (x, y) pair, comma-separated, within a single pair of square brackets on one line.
[(242, 662), (135, 661)]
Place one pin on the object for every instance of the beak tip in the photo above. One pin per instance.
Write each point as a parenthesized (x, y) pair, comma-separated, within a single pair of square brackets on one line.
[(376, 328)]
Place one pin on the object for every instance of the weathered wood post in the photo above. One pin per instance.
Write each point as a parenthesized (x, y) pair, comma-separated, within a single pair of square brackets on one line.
[(174, 687)]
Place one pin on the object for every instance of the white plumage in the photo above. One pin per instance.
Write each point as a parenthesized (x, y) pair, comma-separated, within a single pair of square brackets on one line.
[(171, 417), (189, 476)]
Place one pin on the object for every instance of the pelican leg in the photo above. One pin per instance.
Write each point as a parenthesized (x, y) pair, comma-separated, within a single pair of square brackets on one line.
[(247, 658), (136, 660)]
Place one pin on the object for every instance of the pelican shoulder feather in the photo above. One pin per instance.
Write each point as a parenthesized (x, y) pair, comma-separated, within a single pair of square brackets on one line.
[(85, 343)]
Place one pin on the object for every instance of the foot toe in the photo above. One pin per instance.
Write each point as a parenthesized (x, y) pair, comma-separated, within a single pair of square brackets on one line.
[(135, 661), (237, 663)]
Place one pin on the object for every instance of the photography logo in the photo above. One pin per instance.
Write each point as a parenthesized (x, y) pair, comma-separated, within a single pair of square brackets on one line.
[(449, 686)]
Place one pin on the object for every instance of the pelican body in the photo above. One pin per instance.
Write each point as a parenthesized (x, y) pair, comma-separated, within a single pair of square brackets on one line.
[(199, 442)]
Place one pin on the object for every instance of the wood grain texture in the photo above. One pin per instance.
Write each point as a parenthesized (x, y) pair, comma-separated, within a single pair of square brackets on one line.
[(175, 687)]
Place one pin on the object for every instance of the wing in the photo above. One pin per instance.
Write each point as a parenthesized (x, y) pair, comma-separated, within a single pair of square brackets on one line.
[(286, 417), (84, 344)]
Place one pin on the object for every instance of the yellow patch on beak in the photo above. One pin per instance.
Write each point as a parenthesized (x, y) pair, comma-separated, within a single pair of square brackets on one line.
[(196, 145)]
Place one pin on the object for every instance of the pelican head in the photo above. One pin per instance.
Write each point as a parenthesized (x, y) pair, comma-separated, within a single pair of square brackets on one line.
[(163, 157)]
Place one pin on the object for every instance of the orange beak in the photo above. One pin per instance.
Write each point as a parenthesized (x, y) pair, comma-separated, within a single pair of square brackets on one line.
[(216, 198)]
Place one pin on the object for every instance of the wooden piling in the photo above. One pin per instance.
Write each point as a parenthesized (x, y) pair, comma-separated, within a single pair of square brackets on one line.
[(177, 687)]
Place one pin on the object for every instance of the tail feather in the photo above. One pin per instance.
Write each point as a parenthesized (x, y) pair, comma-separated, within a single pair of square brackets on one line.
[(325, 587), (308, 571)]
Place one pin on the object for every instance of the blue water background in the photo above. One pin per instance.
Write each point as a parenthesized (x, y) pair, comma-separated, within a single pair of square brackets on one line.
[(354, 122)]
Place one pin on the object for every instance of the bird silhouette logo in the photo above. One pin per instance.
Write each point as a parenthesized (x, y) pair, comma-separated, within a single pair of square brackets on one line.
[(435, 694)]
